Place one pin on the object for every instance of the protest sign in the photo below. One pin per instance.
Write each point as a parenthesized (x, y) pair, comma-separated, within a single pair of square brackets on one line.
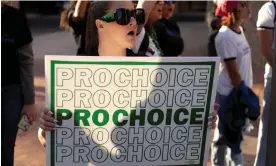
[(127, 110)]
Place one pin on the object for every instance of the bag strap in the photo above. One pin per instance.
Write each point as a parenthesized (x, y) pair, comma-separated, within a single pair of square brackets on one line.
[(144, 46)]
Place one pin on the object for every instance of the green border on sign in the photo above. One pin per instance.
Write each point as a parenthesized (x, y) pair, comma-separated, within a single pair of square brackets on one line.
[(52, 95)]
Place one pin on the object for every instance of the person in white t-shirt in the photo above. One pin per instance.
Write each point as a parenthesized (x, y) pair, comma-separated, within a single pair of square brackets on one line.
[(235, 67), (265, 27)]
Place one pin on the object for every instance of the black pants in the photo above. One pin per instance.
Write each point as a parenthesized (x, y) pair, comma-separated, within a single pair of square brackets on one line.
[(11, 106)]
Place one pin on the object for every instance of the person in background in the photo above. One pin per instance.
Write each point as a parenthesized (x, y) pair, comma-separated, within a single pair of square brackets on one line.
[(75, 17), (168, 32), (146, 39), (237, 101), (210, 14), (168, 9), (155, 15), (266, 31), (162, 35), (214, 26), (17, 78), (216, 21)]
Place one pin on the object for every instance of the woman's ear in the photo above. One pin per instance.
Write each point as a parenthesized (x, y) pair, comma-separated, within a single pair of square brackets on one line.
[(99, 24)]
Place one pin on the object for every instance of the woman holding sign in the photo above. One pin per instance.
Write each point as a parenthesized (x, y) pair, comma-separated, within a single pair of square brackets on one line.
[(103, 18)]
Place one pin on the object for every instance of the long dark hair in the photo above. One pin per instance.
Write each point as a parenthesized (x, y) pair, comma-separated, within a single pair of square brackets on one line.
[(96, 10), (64, 21)]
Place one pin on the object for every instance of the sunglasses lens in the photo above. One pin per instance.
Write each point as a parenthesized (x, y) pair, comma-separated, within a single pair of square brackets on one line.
[(140, 16), (168, 2), (122, 16)]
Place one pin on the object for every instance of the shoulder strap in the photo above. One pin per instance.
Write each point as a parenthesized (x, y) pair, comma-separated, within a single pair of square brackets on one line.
[(274, 3), (129, 52), (144, 46)]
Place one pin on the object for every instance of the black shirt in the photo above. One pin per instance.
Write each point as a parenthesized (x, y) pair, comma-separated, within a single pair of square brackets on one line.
[(15, 33), (169, 37), (79, 28)]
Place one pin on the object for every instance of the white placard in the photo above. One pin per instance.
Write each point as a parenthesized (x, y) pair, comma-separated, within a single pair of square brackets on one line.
[(127, 110)]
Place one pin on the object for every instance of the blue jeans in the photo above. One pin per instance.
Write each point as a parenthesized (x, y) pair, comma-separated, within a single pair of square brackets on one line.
[(221, 153), (263, 126), (11, 111)]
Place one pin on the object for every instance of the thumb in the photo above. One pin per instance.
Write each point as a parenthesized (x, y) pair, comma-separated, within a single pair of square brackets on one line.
[(30, 119)]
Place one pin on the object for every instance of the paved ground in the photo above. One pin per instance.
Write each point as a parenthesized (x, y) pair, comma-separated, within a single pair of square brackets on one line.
[(49, 40)]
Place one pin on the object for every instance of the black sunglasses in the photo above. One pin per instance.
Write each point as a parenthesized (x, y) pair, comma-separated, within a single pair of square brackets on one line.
[(123, 16), (168, 2)]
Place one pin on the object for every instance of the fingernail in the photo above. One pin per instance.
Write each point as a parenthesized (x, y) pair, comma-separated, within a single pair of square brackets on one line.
[(55, 121), (50, 112)]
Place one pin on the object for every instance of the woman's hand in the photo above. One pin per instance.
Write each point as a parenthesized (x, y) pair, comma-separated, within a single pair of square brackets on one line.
[(30, 111), (213, 118), (47, 121)]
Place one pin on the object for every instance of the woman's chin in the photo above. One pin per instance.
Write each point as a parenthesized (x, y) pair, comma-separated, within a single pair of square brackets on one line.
[(131, 44)]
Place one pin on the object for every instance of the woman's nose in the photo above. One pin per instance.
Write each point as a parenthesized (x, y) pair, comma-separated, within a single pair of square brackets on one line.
[(132, 21)]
